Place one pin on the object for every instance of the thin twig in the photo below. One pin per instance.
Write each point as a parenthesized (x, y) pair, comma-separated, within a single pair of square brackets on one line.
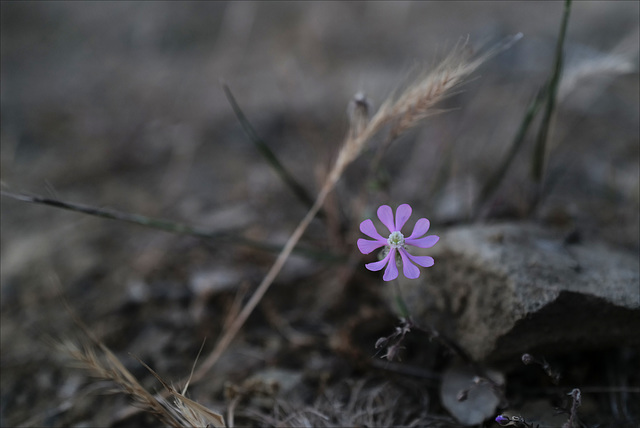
[(230, 237), (298, 190)]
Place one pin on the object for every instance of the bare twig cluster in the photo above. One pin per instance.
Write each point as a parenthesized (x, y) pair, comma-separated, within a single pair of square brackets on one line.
[(542, 362), (576, 401), (572, 410)]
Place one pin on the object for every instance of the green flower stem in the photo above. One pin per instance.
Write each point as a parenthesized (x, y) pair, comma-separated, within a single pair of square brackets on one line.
[(402, 306)]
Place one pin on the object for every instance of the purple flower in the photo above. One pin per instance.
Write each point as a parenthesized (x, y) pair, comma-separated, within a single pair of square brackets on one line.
[(396, 243), (503, 420)]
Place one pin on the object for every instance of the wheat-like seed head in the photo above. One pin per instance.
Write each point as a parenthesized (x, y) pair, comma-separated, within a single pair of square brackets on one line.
[(414, 104), (94, 355), (109, 367)]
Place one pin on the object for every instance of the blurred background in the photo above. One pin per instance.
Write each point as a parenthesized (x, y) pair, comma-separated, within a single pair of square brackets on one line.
[(120, 105)]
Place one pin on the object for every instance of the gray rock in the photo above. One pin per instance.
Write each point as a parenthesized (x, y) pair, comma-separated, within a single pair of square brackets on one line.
[(502, 290)]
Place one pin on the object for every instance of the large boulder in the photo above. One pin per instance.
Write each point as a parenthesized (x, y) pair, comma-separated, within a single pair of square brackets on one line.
[(505, 289)]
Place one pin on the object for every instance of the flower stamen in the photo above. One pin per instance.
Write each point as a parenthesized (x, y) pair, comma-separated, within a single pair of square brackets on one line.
[(396, 240)]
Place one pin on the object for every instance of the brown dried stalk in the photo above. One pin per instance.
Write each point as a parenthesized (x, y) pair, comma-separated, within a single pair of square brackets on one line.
[(412, 106)]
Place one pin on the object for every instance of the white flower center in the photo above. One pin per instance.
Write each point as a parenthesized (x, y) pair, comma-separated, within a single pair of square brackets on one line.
[(396, 240)]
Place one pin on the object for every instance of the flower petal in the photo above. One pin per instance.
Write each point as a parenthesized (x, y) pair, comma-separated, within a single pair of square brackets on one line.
[(386, 217), (421, 227), (376, 266), (366, 246), (370, 230), (426, 242), (403, 212), (392, 270), (424, 261), (408, 268)]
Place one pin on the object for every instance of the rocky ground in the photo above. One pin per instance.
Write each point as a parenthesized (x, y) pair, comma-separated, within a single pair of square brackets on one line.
[(120, 105)]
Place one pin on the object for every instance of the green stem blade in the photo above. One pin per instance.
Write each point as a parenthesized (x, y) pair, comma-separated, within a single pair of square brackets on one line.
[(541, 139)]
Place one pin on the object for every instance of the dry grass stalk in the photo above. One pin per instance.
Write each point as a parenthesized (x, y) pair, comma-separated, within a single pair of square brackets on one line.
[(359, 405), (413, 105)]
